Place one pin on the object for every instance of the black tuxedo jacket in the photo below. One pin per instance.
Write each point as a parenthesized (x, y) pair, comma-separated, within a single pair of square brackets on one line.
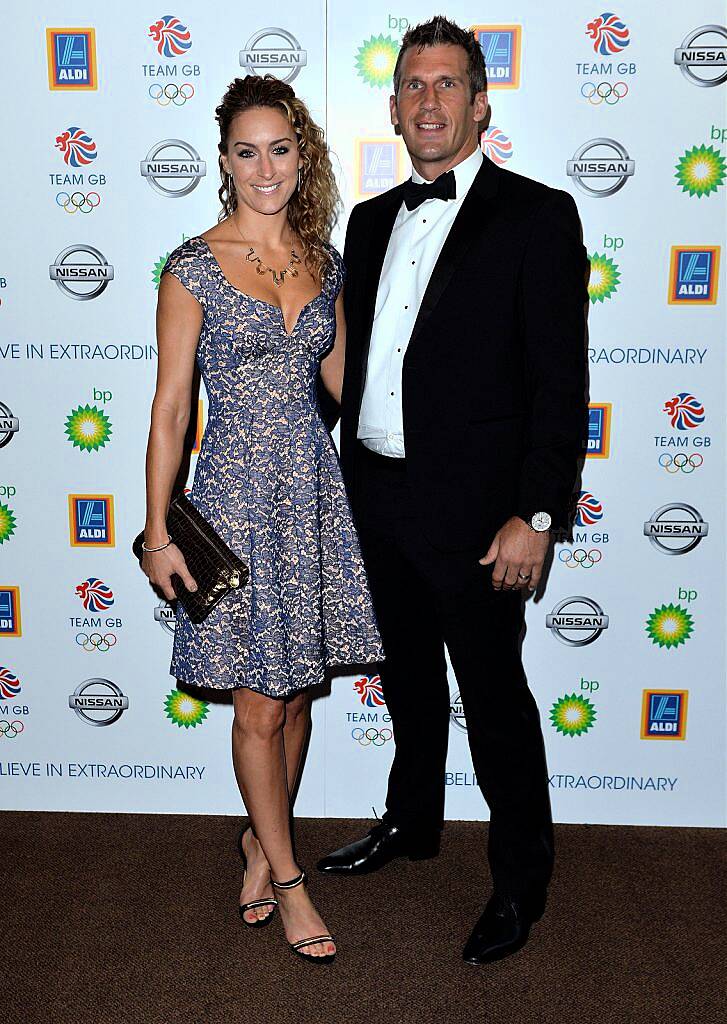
[(494, 380)]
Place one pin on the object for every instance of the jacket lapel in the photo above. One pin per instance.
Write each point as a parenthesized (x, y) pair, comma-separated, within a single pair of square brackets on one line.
[(468, 225)]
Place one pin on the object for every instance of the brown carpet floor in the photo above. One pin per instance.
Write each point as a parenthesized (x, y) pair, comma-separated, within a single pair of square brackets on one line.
[(132, 919)]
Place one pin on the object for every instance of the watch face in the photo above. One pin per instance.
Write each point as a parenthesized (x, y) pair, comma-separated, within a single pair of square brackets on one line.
[(541, 521)]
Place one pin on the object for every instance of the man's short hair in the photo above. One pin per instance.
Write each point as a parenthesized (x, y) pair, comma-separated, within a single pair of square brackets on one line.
[(441, 31)]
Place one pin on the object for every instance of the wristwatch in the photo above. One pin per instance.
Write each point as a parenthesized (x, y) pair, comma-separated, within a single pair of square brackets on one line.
[(538, 521)]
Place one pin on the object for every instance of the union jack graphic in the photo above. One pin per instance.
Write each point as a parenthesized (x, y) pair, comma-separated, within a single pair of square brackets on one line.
[(171, 36), (9, 684), (77, 147), (95, 595), (370, 691), (589, 509), (684, 411), (609, 34)]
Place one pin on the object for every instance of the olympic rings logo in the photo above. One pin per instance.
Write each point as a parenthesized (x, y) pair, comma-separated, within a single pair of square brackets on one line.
[(371, 736), (96, 642), (681, 462), (11, 729), (604, 92), (77, 201), (580, 557), (171, 93)]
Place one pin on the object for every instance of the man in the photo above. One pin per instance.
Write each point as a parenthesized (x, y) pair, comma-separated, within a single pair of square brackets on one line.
[(462, 421)]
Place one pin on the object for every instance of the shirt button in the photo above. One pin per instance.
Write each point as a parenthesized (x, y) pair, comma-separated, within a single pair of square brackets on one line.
[(392, 394), (413, 262), (424, 221), (398, 350), (406, 307)]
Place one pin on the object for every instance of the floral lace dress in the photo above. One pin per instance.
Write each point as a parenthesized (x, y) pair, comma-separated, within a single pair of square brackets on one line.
[(269, 482)]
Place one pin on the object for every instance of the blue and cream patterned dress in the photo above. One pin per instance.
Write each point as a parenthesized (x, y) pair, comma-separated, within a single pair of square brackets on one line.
[(269, 482)]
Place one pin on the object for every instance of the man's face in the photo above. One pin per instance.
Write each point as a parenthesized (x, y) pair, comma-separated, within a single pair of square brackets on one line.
[(433, 110)]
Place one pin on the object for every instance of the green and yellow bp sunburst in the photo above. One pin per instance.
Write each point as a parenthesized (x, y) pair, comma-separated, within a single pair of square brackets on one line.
[(88, 427), (158, 267), (8, 523), (604, 277), (375, 60), (701, 170), (572, 715), (670, 625), (184, 710)]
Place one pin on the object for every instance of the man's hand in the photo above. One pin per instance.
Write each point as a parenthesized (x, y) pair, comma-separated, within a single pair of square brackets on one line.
[(518, 553)]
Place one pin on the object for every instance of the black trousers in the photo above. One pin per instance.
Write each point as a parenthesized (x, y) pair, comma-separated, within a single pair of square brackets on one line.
[(425, 598)]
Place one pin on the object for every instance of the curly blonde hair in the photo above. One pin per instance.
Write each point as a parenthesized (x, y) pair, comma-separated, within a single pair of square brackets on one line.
[(313, 207)]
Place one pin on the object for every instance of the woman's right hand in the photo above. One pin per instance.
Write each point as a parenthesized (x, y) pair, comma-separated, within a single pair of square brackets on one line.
[(159, 566)]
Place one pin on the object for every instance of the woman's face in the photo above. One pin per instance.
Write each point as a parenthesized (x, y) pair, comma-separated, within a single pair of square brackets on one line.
[(262, 157)]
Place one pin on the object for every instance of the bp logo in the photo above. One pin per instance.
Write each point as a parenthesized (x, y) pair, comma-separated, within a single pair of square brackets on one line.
[(88, 428), (600, 168), (8, 522), (577, 621), (670, 625), (701, 170), (604, 278), (375, 60), (81, 272), (173, 168), (572, 715), (283, 61), (184, 710), (702, 57), (675, 529), (159, 266)]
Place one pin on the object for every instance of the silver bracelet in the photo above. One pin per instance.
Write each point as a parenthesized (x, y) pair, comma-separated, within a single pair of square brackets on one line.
[(161, 546)]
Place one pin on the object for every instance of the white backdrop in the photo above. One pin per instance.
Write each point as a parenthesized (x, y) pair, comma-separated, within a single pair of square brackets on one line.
[(631, 691)]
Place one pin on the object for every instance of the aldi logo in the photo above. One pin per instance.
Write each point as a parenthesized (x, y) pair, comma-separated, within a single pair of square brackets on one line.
[(693, 275), (9, 611), (501, 48), (664, 715), (378, 166), (599, 430), (91, 520), (71, 58)]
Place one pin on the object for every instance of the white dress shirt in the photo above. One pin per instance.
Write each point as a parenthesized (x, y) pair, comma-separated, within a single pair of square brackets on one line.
[(414, 247)]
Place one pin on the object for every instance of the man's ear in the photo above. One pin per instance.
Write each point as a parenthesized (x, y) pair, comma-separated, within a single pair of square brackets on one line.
[(393, 111), (480, 104)]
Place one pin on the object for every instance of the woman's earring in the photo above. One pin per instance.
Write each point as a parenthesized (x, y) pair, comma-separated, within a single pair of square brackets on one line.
[(300, 177), (230, 185)]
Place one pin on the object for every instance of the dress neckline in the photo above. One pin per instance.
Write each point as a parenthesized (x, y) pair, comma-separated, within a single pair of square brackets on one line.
[(254, 298)]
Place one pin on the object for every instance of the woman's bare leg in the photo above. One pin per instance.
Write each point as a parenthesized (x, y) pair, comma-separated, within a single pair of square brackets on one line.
[(259, 758)]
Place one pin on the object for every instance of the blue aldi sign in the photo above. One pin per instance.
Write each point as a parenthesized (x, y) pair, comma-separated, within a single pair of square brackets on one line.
[(693, 275), (91, 520), (71, 58), (501, 46), (10, 611), (664, 715)]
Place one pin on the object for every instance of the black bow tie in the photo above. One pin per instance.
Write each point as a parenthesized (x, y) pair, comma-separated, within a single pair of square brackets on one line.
[(443, 187)]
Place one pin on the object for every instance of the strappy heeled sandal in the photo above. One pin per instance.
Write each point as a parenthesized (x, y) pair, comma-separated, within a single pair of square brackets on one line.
[(260, 922), (297, 947)]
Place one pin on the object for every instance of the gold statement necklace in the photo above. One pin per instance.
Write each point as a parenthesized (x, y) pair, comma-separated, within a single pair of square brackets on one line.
[(262, 268)]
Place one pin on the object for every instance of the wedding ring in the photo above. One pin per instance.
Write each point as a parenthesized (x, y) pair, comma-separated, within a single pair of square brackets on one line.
[(521, 576)]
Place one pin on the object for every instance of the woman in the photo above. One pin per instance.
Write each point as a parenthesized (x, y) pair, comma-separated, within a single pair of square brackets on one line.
[(256, 300)]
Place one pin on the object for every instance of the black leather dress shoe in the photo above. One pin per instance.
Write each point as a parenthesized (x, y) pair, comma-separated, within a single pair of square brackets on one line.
[(502, 929), (383, 843)]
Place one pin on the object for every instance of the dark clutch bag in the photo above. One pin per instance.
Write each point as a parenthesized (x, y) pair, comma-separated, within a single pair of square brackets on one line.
[(215, 568)]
